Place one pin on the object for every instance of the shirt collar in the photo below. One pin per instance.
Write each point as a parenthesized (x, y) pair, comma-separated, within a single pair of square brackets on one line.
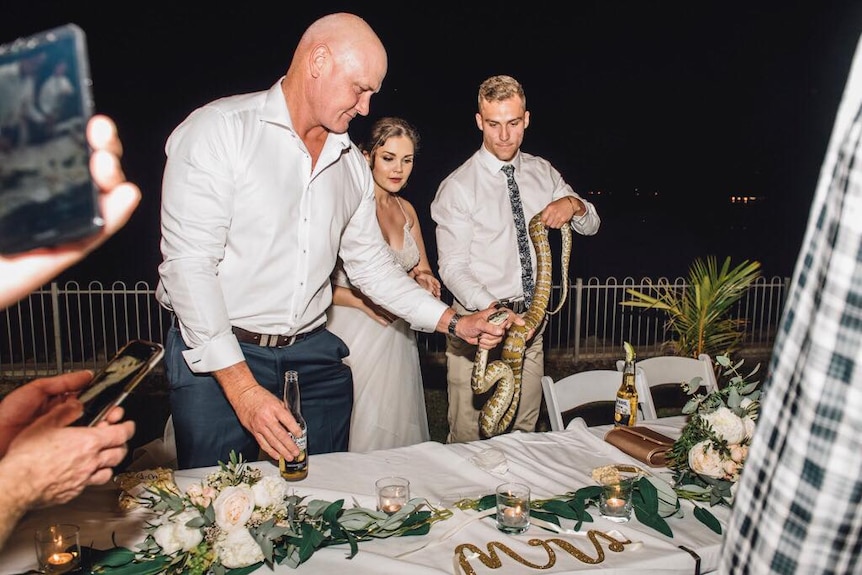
[(493, 163), (275, 111)]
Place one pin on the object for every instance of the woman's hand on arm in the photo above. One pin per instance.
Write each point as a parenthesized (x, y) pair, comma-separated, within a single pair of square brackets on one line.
[(427, 280), (348, 297)]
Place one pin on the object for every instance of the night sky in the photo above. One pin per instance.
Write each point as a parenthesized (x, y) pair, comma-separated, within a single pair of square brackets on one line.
[(658, 112)]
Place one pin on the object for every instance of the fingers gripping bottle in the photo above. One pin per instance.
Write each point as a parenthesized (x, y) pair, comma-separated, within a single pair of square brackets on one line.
[(626, 406), (298, 468)]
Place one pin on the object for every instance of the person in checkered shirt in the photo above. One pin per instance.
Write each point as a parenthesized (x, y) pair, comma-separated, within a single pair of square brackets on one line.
[(797, 508)]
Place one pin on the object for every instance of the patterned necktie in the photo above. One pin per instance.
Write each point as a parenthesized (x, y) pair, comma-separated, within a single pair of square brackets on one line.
[(523, 240)]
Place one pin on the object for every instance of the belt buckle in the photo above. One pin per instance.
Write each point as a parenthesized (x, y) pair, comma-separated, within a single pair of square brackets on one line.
[(517, 306), (269, 340)]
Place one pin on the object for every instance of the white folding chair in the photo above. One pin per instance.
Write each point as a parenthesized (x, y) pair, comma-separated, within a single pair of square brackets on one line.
[(673, 370), (589, 387)]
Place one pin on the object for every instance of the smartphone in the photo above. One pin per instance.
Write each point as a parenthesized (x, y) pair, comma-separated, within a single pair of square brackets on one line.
[(47, 196), (111, 385)]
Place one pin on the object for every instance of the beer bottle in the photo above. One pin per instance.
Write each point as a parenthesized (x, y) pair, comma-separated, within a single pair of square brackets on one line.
[(298, 468), (626, 405)]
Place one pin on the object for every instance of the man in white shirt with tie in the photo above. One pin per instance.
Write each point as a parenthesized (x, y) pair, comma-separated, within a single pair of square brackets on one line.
[(480, 253)]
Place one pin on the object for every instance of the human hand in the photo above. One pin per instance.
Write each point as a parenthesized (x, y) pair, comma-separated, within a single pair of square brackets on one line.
[(379, 314), (23, 405), (429, 282), (56, 461), (561, 211), (23, 273), (259, 411), (487, 328)]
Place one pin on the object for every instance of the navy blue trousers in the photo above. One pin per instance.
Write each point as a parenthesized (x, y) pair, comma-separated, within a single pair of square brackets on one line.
[(206, 426)]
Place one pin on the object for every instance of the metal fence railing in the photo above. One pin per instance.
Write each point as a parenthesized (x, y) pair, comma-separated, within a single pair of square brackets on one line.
[(68, 327)]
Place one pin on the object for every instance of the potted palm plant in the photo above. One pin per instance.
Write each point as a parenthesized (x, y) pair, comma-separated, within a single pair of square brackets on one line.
[(699, 314)]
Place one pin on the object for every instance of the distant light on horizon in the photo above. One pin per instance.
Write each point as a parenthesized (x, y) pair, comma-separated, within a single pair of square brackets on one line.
[(745, 199)]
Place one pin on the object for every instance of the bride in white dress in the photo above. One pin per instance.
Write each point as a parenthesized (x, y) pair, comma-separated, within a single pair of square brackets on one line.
[(388, 395)]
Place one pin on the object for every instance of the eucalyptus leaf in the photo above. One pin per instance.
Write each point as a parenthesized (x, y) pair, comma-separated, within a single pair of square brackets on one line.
[(668, 500), (486, 502), (707, 518), (546, 516), (652, 519), (559, 508)]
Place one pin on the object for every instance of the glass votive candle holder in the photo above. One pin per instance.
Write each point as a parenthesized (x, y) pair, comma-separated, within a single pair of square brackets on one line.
[(393, 493), (513, 508), (615, 502), (617, 483), (58, 549)]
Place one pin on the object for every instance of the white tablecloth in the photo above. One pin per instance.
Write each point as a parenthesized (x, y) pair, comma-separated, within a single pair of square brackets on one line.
[(551, 463)]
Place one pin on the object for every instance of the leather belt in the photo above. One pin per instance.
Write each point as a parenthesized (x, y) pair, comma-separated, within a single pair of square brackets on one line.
[(517, 305), (267, 340)]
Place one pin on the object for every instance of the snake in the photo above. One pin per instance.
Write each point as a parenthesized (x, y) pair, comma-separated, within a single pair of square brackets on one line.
[(504, 375)]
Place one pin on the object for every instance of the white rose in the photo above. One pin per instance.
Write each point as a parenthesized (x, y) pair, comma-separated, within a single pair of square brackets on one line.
[(726, 424), (173, 535), (270, 490), (233, 507), (238, 548), (704, 460)]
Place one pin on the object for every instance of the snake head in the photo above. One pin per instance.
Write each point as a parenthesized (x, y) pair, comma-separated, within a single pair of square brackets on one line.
[(498, 317)]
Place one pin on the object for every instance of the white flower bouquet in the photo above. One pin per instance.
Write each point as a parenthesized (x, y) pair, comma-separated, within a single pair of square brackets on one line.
[(709, 456)]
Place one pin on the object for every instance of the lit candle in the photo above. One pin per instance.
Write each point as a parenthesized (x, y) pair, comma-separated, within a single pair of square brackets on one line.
[(390, 506), (391, 497), (60, 558), (513, 516), (615, 503)]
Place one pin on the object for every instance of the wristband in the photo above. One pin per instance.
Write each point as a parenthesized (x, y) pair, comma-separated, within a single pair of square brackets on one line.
[(452, 323)]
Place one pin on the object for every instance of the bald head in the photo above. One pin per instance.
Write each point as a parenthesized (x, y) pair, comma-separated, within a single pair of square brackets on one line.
[(338, 65)]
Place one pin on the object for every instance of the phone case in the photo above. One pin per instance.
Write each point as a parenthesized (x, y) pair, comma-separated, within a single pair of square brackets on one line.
[(47, 196), (111, 385)]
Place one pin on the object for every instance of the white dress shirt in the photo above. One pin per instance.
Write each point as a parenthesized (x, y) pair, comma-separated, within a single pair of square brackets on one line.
[(250, 233), (477, 242)]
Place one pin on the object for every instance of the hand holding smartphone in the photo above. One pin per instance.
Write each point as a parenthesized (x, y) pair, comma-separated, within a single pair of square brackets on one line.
[(46, 194), (111, 385)]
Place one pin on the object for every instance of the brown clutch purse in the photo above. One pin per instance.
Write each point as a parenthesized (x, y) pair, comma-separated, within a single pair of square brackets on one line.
[(642, 443)]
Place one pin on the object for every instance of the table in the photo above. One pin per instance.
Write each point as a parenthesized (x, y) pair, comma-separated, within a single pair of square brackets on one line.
[(551, 463)]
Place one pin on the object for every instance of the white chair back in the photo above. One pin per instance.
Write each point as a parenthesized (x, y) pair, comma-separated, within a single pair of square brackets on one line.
[(582, 388), (672, 369)]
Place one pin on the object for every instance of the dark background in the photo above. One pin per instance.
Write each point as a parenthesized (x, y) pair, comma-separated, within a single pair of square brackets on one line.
[(658, 112)]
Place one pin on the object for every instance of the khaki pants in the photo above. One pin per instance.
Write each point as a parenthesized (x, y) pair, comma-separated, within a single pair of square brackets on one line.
[(464, 405)]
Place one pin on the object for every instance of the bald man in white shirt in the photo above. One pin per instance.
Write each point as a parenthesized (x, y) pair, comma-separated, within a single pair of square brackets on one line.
[(261, 193)]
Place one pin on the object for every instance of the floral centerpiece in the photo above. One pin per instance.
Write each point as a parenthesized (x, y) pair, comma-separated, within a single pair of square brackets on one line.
[(709, 455), (237, 519)]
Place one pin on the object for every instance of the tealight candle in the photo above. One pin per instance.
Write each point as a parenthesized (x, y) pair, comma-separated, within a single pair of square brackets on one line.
[(513, 516), (389, 506), (60, 559)]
